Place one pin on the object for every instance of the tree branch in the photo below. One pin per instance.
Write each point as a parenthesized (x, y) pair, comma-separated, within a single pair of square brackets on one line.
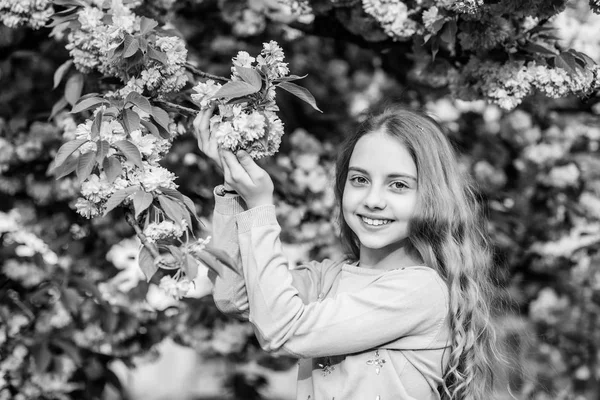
[(203, 74), (178, 107), (151, 248)]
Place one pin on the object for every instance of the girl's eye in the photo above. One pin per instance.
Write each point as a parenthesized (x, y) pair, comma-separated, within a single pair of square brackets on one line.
[(399, 185), (359, 180)]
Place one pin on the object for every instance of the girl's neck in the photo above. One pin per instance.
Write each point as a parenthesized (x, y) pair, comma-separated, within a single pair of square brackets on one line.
[(386, 260)]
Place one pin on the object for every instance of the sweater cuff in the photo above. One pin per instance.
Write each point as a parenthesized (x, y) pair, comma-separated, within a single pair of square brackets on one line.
[(230, 205), (255, 217)]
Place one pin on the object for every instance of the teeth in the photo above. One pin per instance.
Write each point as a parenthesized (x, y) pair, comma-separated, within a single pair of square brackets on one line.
[(376, 222)]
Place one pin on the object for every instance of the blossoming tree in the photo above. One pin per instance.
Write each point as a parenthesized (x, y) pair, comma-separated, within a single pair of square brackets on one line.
[(127, 84)]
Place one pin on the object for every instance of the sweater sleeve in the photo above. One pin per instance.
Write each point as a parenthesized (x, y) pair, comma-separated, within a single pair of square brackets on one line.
[(400, 303), (229, 290)]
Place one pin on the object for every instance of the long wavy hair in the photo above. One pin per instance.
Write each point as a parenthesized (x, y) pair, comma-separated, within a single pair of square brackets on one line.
[(447, 231)]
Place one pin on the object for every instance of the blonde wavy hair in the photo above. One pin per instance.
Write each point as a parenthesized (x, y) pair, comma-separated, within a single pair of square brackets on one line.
[(447, 231)]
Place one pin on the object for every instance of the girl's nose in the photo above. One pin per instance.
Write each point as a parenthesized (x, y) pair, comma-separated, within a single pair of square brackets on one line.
[(374, 199)]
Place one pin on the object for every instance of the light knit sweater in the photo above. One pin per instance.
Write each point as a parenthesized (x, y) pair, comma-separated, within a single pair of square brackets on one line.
[(359, 333)]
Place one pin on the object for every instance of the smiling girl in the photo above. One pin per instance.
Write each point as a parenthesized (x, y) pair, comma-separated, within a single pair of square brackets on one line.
[(406, 315)]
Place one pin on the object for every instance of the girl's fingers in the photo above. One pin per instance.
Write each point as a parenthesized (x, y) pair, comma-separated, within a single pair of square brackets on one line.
[(202, 125), (238, 173), (251, 168)]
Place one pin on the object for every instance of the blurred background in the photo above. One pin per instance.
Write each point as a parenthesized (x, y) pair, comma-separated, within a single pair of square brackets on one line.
[(78, 320)]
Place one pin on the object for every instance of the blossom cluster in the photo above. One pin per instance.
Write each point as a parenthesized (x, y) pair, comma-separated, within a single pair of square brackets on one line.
[(90, 47), (394, 17), (508, 83), (31, 13), (252, 124)]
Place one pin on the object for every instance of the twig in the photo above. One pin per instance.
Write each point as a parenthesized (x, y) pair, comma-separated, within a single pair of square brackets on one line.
[(178, 107), (131, 221), (203, 74)]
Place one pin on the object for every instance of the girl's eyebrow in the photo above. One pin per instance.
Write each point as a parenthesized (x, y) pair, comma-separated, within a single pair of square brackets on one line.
[(395, 175)]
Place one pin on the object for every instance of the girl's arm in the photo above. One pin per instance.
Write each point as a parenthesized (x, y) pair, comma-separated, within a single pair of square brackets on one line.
[(229, 289), (409, 303)]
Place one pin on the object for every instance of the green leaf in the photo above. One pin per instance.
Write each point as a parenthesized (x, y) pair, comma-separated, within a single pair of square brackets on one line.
[(157, 55), (146, 262), (161, 117), (102, 147), (582, 56), (191, 207), (85, 165), (61, 71), (69, 349), (65, 168), (67, 149), (438, 24), (63, 16), (172, 208), (235, 89), (97, 124), (71, 299), (130, 151), (140, 101), (171, 192), (190, 266), (112, 168), (131, 46), (74, 3), (73, 88), (58, 107), (118, 197), (300, 92), (87, 103), (131, 120), (141, 201), (147, 24), (250, 76)]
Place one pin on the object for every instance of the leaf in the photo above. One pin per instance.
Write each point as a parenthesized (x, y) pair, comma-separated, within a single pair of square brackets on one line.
[(235, 89), (118, 197), (131, 120), (66, 168), (161, 117), (112, 168), (250, 76), (109, 320), (567, 62), (130, 151), (75, 3), (58, 107), (86, 104), (290, 78), (67, 149), (86, 286), (582, 56), (97, 124), (536, 48), (157, 55), (60, 72), (449, 32), (85, 165), (300, 92), (140, 101), (141, 201), (435, 47), (171, 192), (71, 299), (131, 46), (190, 266), (63, 16), (69, 349), (41, 355), (73, 88), (223, 257), (146, 263), (151, 128), (147, 24), (102, 147), (173, 209), (438, 24)]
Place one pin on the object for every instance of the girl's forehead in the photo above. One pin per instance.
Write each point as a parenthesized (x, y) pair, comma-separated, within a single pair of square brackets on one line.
[(378, 152)]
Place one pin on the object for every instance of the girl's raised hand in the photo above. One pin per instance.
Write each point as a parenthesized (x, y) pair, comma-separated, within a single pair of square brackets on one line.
[(206, 141), (248, 179)]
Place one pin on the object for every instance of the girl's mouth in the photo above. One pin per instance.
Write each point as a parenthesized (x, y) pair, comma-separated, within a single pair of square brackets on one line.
[(375, 222)]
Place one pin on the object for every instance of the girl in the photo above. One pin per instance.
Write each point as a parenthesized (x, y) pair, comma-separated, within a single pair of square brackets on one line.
[(406, 316)]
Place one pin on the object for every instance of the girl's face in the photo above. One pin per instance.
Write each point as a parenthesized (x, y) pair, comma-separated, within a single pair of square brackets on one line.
[(380, 193)]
